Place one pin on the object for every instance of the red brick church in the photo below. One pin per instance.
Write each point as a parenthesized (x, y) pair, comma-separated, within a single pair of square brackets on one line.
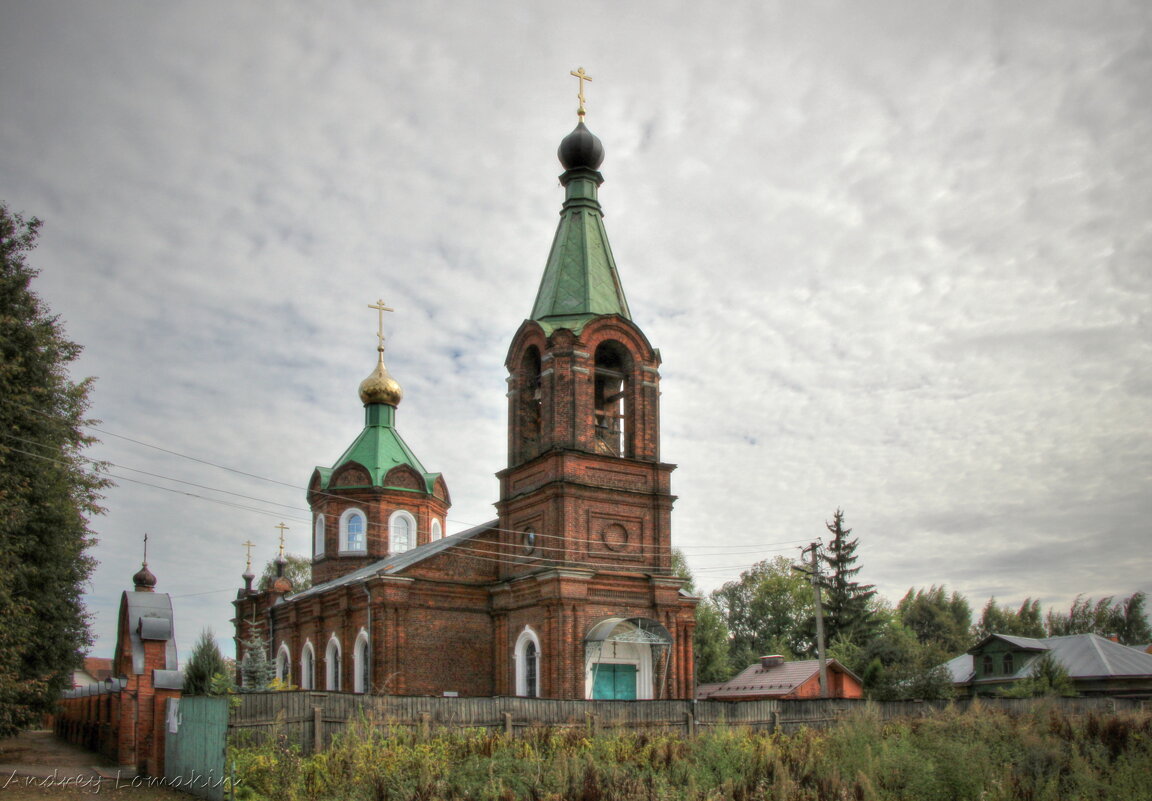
[(569, 593)]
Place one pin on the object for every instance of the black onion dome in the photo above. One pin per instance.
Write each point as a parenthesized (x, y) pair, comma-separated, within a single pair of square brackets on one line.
[(144, 580), (581, 148)]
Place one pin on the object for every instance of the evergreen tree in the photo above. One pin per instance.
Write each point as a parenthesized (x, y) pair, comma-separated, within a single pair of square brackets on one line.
[(48, 492), (204, 666), (256, 669), (847, 603)]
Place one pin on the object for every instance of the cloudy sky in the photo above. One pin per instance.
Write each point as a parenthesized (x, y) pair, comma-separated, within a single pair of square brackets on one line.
[(897, 257)]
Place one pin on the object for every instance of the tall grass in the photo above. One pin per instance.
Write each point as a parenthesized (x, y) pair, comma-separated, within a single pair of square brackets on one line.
[(981, 753)]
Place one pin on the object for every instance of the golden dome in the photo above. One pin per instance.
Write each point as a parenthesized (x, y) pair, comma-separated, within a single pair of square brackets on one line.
[(380, 387)]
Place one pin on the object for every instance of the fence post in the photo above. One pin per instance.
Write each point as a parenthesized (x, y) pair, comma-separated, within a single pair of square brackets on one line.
[(508, 725), (425, 725), (317, 729), (592, 723), (690, 724)]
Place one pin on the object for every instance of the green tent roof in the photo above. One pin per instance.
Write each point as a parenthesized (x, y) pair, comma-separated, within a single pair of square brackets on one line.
[(378, 449)]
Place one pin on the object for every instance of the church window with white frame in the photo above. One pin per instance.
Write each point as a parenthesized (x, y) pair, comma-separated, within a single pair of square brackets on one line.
[(353, 532), (361, 663), (401, 531), (437, 529), (307, 667), (284, 665), (332, 665), (318, 537), (527, 659)]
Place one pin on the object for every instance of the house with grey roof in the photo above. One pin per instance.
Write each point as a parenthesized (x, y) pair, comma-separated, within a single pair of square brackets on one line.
[(1096, 665)]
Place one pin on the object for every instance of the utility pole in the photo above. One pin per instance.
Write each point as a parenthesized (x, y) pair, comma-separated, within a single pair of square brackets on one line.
[(814, 575)]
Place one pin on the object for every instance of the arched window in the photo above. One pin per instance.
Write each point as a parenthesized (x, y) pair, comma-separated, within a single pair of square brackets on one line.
[(332, 664), (611, 400), (353, 531), (437, 530), (401, 531), (528, 405), (318, 537), (360, 663), (1008, 668), (527, 657), (987, 665), (284, 664), (307, 667)]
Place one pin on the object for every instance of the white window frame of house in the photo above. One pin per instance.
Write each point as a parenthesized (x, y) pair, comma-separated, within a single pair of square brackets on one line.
[(284, 664), (360, 663), (307, 666), (332, 658), (437, 529), (345, 545), (318, 537), (521, 660), (400, 515)]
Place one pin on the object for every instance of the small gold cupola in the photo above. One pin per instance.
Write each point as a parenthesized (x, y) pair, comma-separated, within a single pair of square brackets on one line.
[(380, 387)]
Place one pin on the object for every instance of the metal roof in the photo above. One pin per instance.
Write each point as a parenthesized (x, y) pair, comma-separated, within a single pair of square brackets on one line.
[(152, 613), (1084, 656), (391, 565), (779, 680)]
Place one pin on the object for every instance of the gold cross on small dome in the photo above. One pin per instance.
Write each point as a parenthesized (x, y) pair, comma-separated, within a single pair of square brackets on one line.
[(581, 76), (381, 308)]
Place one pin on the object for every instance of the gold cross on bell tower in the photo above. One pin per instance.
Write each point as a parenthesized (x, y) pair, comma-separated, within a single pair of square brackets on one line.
[(581, 76), (381, 308), (248, 546), (282, 528)]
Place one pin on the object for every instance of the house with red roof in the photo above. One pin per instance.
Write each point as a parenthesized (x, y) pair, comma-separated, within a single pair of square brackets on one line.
[(773, 677)]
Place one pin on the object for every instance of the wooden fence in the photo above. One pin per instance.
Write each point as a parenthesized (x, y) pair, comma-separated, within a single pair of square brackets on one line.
[(311, 719)]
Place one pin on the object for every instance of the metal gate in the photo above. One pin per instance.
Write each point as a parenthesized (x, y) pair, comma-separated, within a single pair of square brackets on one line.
[(195, 733)]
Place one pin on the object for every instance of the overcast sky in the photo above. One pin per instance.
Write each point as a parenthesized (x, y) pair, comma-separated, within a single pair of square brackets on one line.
[(897, 257)]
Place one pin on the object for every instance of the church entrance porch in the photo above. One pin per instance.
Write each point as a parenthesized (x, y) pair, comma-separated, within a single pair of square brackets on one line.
[(626, 659)]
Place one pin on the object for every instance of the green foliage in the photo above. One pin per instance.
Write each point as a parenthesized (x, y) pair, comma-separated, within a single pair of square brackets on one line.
[(205, 664), (938, 619), (297, 569), (256, 670), (48, 491), (1047, 677), (710, 644), (847, 603), (768, 610), (950, 755), (1022, 622), (1125, 620)]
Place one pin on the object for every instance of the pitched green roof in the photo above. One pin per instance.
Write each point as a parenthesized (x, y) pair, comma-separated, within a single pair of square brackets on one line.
[(378, 449), (580, 280)]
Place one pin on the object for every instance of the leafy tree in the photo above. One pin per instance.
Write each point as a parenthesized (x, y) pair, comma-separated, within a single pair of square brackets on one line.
[(1124, 620), (938, 619), (895, 664), (204, 667), (710, 639), (297, 569), (48, 492), (256, 670), (847, 603), (1022, 622), (769, 609), (1047, 678)]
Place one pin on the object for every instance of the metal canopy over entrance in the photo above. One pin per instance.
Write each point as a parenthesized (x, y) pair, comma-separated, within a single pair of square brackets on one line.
[(625, 654)]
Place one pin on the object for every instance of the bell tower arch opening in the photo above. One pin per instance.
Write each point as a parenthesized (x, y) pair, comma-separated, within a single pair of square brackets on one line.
[(612, 404)]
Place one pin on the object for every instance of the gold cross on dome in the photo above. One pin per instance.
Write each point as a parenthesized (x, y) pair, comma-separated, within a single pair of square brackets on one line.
[(282, 528), (381, 308), (581, 76), (248, 546)]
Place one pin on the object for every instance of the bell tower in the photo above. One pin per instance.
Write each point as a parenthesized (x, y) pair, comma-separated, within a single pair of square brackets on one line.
[(584, 487)]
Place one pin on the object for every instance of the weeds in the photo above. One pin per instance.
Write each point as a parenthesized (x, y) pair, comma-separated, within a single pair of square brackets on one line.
[(980, 754)]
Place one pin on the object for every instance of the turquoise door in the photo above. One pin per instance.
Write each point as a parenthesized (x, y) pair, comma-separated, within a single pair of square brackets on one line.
[(615, 683)]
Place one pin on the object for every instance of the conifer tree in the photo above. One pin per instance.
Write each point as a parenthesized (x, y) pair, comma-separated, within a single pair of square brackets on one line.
[(256, 669), (847, 603), (48, 491), (205, 664)]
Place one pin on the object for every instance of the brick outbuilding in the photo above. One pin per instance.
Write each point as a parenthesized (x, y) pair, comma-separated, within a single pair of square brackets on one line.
[(570, 592)]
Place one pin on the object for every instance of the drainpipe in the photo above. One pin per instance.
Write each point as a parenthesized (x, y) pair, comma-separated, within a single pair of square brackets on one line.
[(368, 661)]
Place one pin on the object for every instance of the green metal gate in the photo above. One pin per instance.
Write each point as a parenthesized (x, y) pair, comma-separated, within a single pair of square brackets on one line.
[(195, 734)]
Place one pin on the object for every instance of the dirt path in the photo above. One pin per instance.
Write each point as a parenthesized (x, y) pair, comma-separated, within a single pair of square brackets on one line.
[(36, 765)]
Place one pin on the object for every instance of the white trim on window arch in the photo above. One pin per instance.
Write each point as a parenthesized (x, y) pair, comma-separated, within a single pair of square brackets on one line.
[(361, 663), (332, 660), (307, 666), (437, 529), (284, 664), (318, 537), (401, 531), (527, 668), (349, 536)]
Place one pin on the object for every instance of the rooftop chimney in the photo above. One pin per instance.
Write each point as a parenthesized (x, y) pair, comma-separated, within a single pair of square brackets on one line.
[(771, 661)]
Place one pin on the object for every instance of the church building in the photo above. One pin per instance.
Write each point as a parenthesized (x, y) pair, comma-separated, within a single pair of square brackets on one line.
[(569, 593)]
